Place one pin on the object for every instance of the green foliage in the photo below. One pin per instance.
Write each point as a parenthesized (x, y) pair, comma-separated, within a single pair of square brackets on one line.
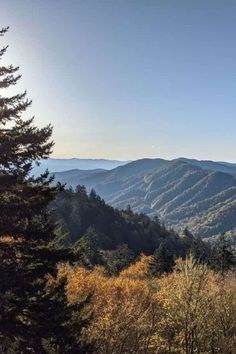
[(118, 259), (63, 330), (196, 247), (161, 262), (223, 256), (86, 249)]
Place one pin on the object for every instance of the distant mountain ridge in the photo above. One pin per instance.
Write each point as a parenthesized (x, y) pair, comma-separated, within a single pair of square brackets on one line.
[(59, 165), (182, 192), (212, 165)]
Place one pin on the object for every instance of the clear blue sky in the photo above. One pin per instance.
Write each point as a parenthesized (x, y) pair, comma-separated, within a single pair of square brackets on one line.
[(128, 79)]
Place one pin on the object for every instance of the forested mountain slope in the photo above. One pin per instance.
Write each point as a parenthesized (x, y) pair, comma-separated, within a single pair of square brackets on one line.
[(179, 192), (83, 215)]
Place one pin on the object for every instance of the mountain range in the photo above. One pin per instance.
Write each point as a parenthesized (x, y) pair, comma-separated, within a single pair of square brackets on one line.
[(182, 192), (58, 165)]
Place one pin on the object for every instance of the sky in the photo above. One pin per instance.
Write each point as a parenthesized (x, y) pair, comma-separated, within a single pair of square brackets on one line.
[(127, 79)]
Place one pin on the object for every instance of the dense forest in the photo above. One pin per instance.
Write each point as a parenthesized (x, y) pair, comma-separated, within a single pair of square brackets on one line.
[(78, 276), (85, 219), (78, 212)]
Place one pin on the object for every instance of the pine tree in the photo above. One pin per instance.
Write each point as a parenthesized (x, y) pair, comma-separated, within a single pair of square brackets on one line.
[(28, 251), (161, 262), (119, 259), (67, 324), (196, 247), (223, 257), (87, 249)]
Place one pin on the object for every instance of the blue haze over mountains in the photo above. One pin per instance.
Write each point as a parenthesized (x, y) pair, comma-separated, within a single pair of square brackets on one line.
[(182, 192), (58, 165)]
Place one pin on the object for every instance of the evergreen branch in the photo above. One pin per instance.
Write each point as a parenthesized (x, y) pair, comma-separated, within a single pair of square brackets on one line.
[(4, 70), (4, 30), (12, 100), (9, 80), (3, 50)]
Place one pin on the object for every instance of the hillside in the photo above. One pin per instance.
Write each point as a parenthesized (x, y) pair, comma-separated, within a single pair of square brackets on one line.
[(71, 177), (86, 215), (180, 192)]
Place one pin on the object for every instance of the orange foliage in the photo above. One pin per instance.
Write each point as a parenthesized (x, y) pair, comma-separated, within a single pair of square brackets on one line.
[(124, 309), (192, 310), (137, 270), (9, 239)]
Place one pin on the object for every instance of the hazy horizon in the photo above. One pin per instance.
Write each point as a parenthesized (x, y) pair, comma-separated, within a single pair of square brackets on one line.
[(130, 160), (129, 79)]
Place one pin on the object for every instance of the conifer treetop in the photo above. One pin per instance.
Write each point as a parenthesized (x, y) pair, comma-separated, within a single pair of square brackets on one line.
[(21, 142)]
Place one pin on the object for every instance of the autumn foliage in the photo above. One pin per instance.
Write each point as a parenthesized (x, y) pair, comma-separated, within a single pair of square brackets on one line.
[(192, 310)]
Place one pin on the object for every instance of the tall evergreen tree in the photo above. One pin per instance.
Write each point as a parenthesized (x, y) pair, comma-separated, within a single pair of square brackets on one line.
[(119, 259), (161, 262), (196, 247), (28, 251), (223, 256), (87, 249)]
